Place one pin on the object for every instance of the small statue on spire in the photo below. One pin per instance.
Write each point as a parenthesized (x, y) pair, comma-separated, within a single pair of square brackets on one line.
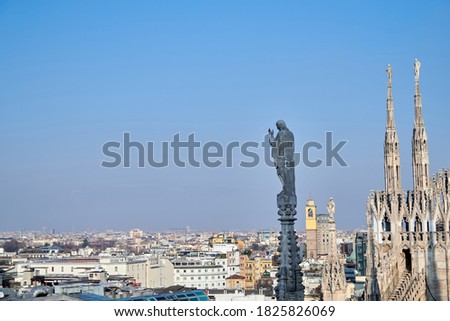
[(416, 70), (283, 155), (389, 73), (331, 208)]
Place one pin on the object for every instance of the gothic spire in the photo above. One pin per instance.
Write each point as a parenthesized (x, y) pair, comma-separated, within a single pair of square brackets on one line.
[(419, 141), (418, 119), (391, 145), (390, 122)]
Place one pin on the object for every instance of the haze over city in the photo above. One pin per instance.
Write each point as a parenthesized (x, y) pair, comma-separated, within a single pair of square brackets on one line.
[(74, 76)]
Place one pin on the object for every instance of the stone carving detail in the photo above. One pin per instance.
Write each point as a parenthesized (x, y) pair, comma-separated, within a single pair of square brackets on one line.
[(334, 284)]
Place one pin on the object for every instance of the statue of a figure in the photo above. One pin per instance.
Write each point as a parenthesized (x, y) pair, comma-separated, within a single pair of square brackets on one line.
[(389, 73), (333, 282), (368, 215), (416, 69), (340, 276), (283, 156), (331, 208)]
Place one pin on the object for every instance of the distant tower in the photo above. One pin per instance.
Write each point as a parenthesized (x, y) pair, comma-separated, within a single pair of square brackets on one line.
[(419, 141), (391, 145), (311, 229), (360, 252), (323, 235)]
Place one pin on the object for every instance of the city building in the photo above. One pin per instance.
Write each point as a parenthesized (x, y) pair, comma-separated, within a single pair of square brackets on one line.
[(312, 280), (360, 252), (57, 269), (230, 261), (226, 243), (146, 271), (199, 272), (253, 269), (269, 238), (323, 240), (149, 272), (235, 282), (136, 234)]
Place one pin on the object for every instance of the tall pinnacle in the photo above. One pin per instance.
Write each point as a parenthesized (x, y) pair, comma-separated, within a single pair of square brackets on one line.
[(418, 119), (391, 145), (390, 123), (420, 159)]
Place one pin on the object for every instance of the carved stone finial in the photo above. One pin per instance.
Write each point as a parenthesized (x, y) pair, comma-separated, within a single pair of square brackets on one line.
[(331, 208), (416, 69), (389, 73)]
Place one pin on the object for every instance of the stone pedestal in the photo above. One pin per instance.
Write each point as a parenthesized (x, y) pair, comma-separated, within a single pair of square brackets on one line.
[(290, 287)]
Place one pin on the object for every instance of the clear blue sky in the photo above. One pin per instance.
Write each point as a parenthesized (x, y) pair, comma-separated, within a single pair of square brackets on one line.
[(75, 74)]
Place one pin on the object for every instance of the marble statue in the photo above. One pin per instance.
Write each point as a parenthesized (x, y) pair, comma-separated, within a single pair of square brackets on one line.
[(283, 156), (389, 73), (416, 69), (331, 208)]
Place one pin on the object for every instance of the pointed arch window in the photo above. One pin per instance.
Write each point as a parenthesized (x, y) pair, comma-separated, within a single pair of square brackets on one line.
[(386, 223), (440, 228), (405, 225), (418, 224)]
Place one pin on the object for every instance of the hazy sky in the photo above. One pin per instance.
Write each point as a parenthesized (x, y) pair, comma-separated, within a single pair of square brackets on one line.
[(76, 74)]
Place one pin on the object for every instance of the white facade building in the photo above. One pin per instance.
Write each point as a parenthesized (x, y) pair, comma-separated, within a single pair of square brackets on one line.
[(148, 272), (200, 273)]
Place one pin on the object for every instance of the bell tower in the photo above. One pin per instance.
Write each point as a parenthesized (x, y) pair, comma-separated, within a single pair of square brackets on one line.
[(311, 229)]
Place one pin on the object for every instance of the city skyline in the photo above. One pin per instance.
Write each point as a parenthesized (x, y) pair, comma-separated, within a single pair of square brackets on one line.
[(76, 76)]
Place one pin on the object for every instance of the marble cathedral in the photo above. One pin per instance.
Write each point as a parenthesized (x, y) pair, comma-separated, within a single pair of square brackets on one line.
[(408, 231)]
